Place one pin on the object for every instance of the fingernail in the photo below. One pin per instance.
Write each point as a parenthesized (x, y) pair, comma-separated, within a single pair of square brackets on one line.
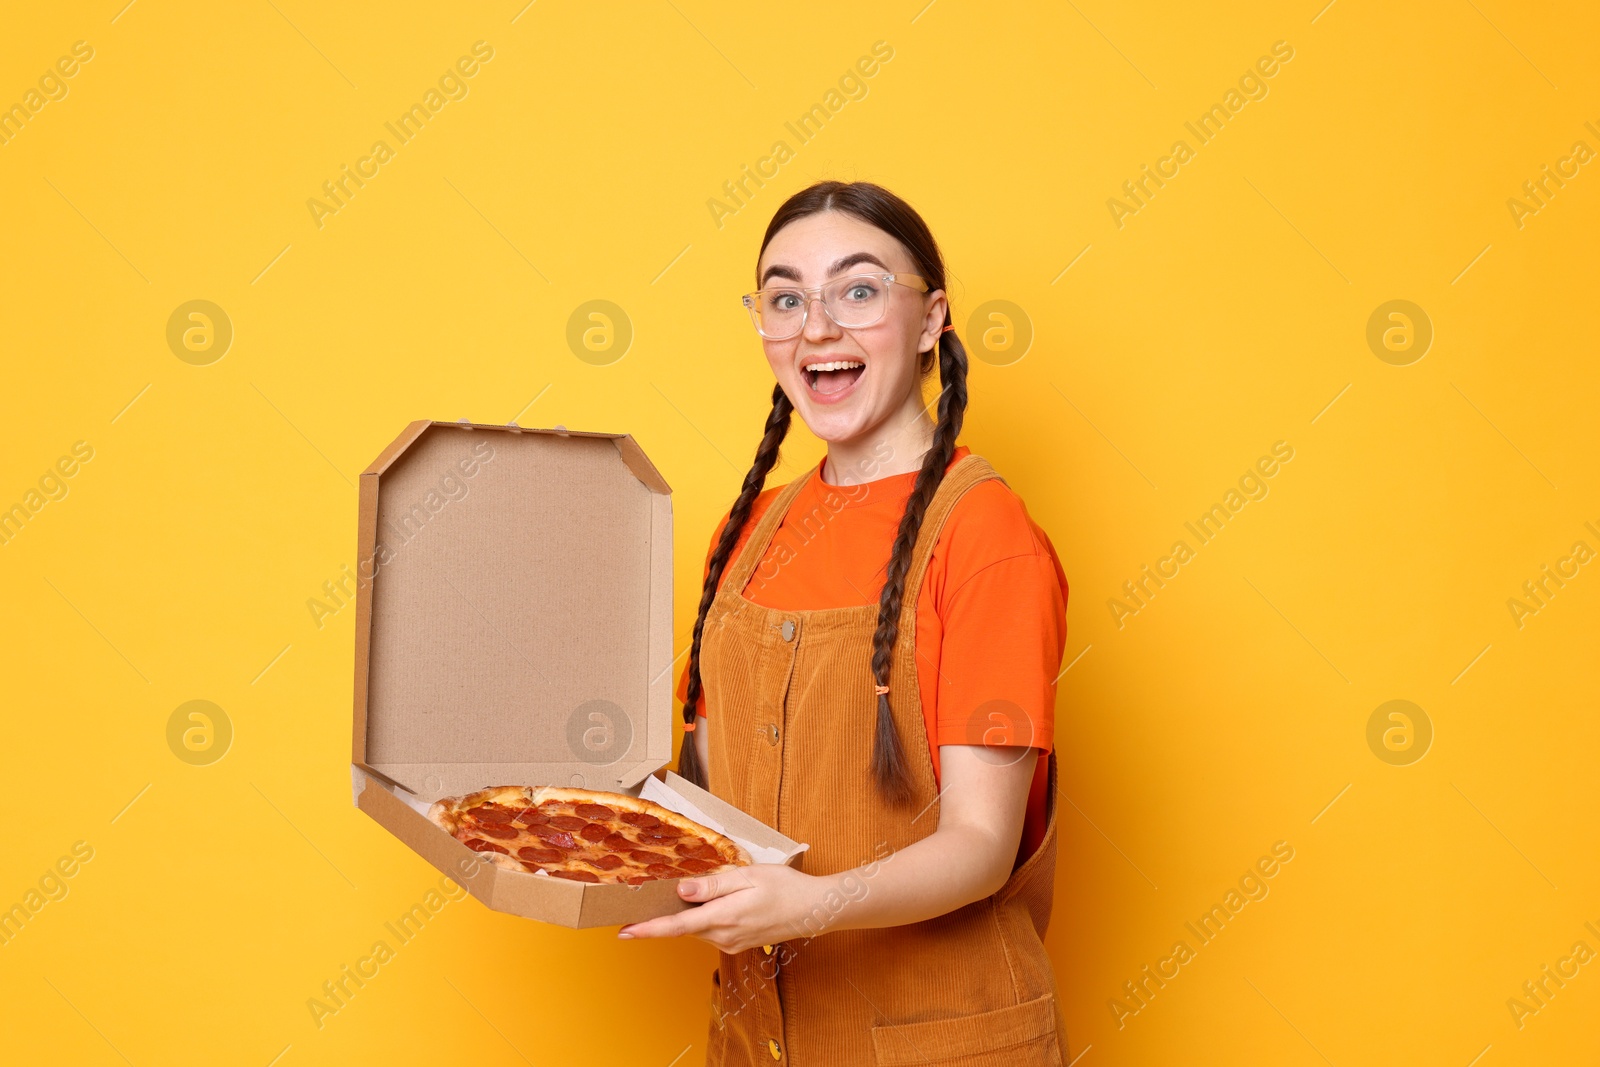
[(624, 937), (688, 888)]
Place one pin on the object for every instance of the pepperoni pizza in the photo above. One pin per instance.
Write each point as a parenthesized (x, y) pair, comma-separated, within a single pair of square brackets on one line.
[(584, 835)]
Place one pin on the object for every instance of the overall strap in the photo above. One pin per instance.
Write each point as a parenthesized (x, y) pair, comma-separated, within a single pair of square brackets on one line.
[(744, 564), (967, 472)]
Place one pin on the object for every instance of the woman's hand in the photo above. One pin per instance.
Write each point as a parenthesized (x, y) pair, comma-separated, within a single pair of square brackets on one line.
[(969, 856), (761, 904)]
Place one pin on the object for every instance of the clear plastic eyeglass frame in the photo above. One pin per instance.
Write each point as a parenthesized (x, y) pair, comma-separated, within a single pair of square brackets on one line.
[(832, 294)]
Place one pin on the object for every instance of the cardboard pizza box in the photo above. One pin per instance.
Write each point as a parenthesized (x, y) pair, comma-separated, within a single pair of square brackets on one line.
[(514, 627)]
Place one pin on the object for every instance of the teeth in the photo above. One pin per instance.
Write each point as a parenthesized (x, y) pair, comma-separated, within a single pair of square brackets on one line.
[(842, 364)]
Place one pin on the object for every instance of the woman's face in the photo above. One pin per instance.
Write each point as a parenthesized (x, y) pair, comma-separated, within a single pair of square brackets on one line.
[(842, 405)]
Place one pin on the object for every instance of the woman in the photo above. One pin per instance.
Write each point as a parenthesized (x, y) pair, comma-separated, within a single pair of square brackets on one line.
[(873, 672)]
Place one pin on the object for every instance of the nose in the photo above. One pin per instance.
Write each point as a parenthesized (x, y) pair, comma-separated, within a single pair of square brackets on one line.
[(819, 325)]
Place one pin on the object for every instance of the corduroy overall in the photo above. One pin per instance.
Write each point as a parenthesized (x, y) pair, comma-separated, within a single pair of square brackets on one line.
[(791, 708)]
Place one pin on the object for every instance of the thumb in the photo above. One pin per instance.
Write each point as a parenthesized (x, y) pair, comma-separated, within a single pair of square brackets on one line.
[(711, 886), (699, 889)]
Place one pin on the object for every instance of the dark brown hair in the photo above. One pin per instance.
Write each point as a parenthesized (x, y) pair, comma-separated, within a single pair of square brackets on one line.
[(878, 207)]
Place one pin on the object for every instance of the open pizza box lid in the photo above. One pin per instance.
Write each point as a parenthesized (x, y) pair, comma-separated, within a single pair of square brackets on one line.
[(514, 627)]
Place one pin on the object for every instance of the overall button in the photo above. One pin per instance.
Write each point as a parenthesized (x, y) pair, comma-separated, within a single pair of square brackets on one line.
[(772, 1046), (771, 731), (788, 629)]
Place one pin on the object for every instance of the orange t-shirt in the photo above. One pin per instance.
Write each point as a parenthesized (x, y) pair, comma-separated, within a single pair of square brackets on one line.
[(991, 614)]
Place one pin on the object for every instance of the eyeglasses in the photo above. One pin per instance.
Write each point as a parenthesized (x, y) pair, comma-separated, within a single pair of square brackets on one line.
[(852, 302)]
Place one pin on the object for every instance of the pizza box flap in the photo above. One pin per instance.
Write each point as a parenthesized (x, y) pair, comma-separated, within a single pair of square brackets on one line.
[(514, 610)]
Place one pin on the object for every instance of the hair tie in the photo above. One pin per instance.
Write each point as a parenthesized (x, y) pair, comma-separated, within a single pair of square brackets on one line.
[(689, 726), (948, 328), (880, 689)]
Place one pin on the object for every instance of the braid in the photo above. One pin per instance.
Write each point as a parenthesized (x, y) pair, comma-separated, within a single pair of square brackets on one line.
[(889, 768), (766, 458), (877, 207)]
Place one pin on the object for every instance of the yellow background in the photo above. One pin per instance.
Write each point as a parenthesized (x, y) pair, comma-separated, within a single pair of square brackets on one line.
[(1227, 314)]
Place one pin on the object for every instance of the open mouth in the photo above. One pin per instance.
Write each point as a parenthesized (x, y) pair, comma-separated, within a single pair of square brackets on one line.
[(833, 378)]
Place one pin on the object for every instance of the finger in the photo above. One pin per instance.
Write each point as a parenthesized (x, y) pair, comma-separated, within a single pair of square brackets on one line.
[(714, 885), (650, 928), (675, 925)]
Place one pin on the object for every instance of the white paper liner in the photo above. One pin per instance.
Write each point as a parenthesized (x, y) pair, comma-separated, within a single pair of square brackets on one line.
[(358, 784), (655, 790)]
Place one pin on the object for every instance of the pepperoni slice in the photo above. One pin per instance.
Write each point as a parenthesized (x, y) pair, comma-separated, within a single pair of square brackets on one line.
[(697, 849), (594, 832), (557, 839), (607, 862), (532, 868), (540, 855), (504, 833), (639, 855), (478, 845), (640, 819), (593, 811), (492, 814), (664, 870), (617, 843), (637, 879), (567, 822), (694, 866), (532, 817), (576, 876)]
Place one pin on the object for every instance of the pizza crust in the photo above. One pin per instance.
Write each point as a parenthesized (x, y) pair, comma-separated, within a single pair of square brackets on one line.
[(446, 812)]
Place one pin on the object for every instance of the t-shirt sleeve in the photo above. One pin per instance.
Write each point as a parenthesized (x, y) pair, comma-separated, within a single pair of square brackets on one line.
[(683, 675), (1004, 632)]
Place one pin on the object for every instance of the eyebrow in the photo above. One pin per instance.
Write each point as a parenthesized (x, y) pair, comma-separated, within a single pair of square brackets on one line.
[(778, 270)]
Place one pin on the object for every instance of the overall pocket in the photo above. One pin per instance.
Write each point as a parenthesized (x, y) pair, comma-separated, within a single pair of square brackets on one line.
[(1022, 1035)]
